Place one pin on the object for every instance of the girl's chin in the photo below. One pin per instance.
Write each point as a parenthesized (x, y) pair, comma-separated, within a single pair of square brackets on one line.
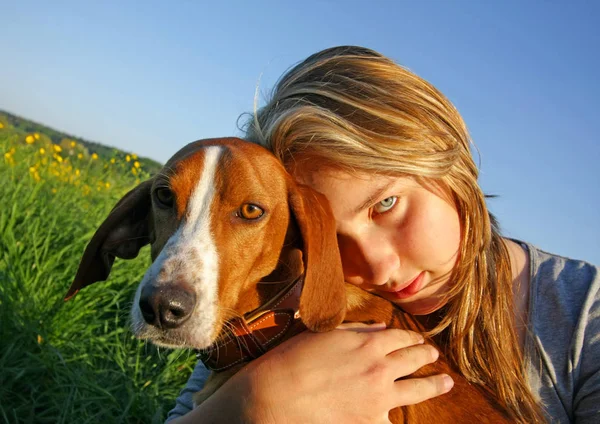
[(421, 306)]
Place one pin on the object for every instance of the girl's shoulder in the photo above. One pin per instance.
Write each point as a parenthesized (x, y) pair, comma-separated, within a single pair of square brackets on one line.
[(562, 346), (571, 279)]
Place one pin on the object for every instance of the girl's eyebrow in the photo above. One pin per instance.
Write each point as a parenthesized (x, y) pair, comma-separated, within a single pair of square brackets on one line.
[(371, 198)]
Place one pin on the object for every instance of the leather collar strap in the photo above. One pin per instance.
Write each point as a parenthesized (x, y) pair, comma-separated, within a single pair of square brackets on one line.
[(248, 338)]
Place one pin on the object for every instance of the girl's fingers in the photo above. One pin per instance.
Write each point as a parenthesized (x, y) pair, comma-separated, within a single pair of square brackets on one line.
[(415, 390), (406, 361), (387, 341)]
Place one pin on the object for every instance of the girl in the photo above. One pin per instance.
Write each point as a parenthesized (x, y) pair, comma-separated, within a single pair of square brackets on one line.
[(392, 156)]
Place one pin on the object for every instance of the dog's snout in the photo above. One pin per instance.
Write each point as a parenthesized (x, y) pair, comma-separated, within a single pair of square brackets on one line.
[(166, 307)]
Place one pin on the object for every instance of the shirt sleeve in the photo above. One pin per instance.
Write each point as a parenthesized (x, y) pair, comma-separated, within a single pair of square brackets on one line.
[(184, 402), (563, 346), (586, 399)]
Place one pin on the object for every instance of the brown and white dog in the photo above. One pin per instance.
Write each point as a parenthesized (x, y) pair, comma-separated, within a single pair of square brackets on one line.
[(243, 258)]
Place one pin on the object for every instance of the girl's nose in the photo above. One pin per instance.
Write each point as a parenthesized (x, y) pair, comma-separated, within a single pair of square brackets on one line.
[(368, 260)]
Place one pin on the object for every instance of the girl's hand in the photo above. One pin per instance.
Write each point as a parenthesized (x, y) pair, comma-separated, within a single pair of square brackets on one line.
[(344, 376)]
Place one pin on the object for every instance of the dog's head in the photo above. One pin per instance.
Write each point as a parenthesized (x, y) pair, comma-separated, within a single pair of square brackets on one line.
[(223, 219)]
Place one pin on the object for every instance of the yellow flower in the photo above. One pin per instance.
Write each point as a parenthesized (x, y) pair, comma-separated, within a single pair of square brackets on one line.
[(80, 156), (73, 144), (1, 125), (54, 191), (8, 156), (77, 172), (42, 151), (134, 171), (29, 139), (34, 173), (40, 339), (112, 160), (57, 148), (58, 158), (134, 156), (136, 164), (128, 158), (107, 185), (94, 156)]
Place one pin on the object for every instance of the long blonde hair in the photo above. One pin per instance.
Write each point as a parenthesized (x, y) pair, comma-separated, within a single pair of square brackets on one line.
[(357, 110)]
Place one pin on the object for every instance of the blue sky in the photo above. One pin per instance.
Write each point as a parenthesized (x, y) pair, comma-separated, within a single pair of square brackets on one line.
[(149, 77)]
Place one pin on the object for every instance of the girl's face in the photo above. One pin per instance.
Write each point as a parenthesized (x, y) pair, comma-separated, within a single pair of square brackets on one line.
[(397, 238)]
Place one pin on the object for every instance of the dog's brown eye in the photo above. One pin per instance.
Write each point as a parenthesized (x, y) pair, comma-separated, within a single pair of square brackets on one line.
[(164, 196), (250, 211)]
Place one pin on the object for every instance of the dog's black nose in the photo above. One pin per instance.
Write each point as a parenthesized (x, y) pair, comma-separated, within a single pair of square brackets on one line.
[(167, 306)]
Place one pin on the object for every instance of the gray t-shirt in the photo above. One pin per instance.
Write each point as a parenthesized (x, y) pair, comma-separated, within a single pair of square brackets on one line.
[(562, 349), (562, 352)]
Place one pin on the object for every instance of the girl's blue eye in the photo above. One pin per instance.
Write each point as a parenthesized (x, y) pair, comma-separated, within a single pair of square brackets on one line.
[(386, 204)]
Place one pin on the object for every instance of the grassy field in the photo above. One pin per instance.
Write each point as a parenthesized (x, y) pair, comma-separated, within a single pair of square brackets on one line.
[(73, 362)]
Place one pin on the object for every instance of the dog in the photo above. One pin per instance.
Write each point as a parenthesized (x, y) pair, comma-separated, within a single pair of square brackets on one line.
[(243, 257)]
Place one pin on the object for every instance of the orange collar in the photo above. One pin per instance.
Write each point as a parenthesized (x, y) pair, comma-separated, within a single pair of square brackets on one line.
[(258, 331)]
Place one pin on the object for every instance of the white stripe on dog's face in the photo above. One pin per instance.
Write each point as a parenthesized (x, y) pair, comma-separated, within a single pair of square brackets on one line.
[(189, 255)]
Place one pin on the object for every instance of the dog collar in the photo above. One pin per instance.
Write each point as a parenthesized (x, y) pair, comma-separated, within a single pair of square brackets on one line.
[(249, 337)]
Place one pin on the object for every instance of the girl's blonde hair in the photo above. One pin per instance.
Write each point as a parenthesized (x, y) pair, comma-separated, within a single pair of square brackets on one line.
[(355, 109)]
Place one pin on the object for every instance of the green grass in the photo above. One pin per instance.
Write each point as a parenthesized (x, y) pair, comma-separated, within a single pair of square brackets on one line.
[(76, 361)]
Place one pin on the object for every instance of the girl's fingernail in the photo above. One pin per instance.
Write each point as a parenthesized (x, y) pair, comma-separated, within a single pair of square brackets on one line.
[(448, 383)]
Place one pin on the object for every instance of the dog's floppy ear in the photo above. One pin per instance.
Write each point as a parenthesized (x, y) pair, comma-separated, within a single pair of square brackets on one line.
[(122, 234), (323, 299)]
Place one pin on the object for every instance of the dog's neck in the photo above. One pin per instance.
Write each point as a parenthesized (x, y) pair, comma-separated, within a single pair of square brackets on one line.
[(251, 336)]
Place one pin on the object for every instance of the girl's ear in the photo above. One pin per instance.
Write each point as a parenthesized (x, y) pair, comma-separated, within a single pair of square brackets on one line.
[(323, 299), (122, 234)]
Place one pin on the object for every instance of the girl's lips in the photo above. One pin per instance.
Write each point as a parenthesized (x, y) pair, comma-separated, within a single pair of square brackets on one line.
[(413, 287)]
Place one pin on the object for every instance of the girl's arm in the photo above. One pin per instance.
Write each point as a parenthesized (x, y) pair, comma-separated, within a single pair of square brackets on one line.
[(341, 376)]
